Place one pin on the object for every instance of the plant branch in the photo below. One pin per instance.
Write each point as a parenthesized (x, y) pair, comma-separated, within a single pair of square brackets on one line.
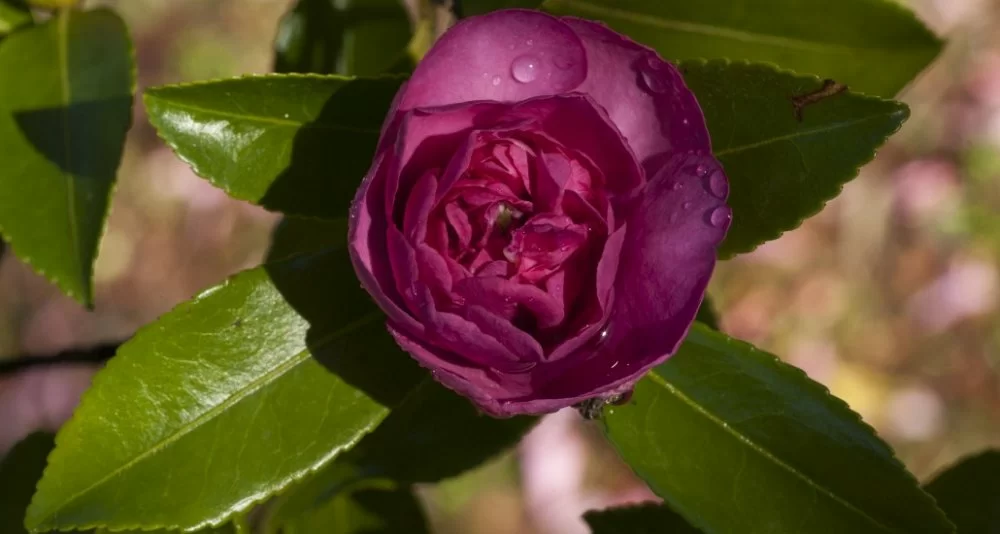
[(95, 354)]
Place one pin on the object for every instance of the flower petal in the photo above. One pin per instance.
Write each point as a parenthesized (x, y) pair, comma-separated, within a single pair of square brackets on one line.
[(506, 56), (644, 95), (666, 261)]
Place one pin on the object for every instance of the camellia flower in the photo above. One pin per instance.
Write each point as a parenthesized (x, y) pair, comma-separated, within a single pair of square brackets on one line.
[(542, 215)]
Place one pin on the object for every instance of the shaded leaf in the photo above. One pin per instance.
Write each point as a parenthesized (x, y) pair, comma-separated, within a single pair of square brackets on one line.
[(644, 519), (432, 435), (874, 46), (737, 441), (707, 314), (13, 15), (226, 401), (370, 507), (969, 493), (479, 7), (781, 169), (294, 236), (356, 37), (19, 472), (298, 144), (63, 120), (54, 3)]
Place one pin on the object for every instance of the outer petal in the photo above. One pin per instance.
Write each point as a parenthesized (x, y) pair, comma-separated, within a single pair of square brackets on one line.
[(644, 95), (549, 56), (666, 261)]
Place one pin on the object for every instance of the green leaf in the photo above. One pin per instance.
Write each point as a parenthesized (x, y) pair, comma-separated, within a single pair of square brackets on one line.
[(781, 169), (737, 441), (227, 400), (479, 7), (359, 37), (644, 519), (445, 431), (874, 46), (19, 472), (63, 120), (294, 236), (969, 493), (369, 507), (299, 144), (13, 15), (707, 314)]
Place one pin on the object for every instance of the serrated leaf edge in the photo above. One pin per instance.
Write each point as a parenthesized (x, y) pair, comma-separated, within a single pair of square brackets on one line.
[(152, 93), (241, 506), (87, 298), (902, 109), (791, 370)]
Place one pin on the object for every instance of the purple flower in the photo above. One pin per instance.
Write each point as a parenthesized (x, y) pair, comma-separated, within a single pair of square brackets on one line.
[(542, 214)]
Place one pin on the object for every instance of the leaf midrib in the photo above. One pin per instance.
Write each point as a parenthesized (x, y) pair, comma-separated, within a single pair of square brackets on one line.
[(764, 452), (252, 387), (605, 12), (62, 49), (802, 133), (262, 119)]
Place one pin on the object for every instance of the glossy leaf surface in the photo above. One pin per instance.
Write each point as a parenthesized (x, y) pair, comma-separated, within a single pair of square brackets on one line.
[(299, 144), (737, 441), (969, 493), (782, 169), (226, 400), (13, 15), (645, 519), (355, 37), (20, 470), (63, 120), (874, 46)]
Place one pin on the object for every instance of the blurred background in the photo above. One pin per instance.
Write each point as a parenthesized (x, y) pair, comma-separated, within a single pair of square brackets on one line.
[(890, 296)]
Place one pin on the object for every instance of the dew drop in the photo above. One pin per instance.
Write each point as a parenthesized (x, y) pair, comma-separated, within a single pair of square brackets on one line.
[(524, 69), (701, 171), (717, 185), (678, 186), (562, 62), (530, 42), (687, 205), (720, 216), (496, 81), (653, 82)]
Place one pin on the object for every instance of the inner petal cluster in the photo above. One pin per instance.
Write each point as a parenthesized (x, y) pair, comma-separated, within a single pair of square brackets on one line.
[(519, 232)]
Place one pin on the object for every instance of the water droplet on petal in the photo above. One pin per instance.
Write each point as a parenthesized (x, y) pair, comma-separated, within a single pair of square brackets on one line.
[(653, 62), (653, 82), (525, 68), (562, 62), (496, 81), (678, 186), (529, 42), (717, 185), (687, 205), (701, 171), (720, 216)]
